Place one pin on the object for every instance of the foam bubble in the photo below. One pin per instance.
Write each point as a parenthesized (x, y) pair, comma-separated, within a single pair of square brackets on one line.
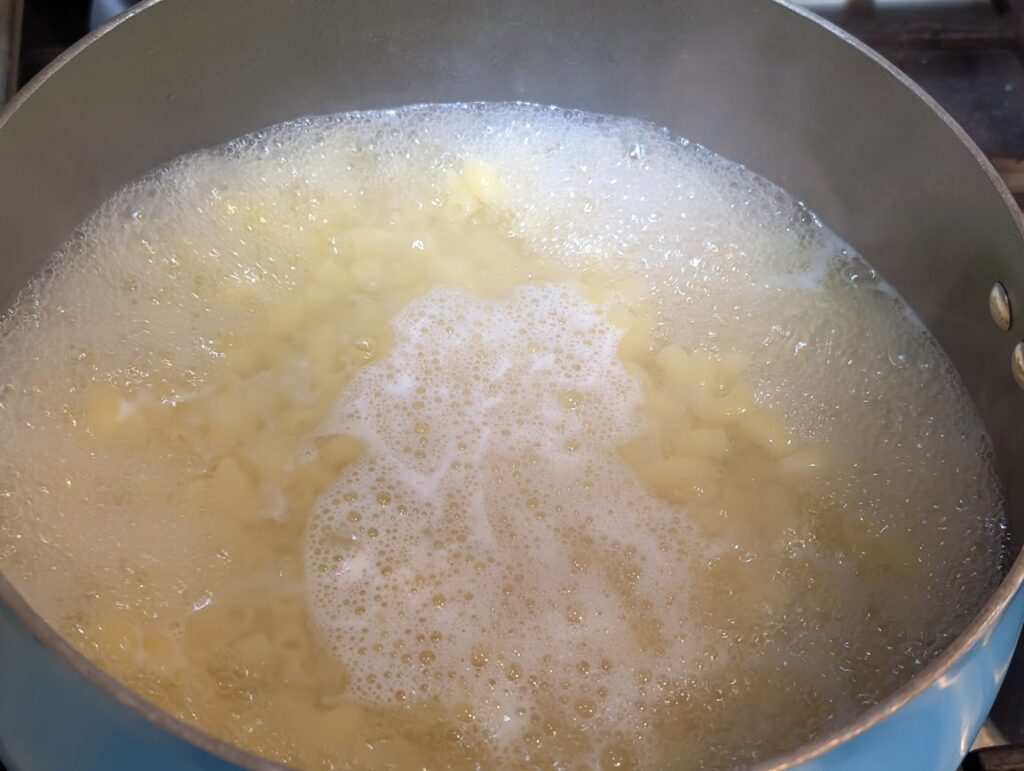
[(498, 508), (150, 292)]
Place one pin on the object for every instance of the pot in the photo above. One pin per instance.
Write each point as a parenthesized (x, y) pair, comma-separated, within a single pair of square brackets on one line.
[(762, 83)]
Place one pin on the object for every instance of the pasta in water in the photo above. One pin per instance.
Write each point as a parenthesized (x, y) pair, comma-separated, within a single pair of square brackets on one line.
[(487, 436)]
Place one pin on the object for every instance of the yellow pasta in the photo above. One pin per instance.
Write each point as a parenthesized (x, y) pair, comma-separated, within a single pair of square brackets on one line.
[(682, 479), (804, 463), (765, 429), (482, 181), (725, 409), (113, 417), (460, 202), (710, 443), (252, 449), (638, 341)]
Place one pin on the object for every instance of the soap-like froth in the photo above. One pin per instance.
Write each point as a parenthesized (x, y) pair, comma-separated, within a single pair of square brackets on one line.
[(509, 541), (154, 292)]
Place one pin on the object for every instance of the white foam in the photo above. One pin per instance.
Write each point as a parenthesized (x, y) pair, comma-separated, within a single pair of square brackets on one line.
[(729, 261), (467, 422)]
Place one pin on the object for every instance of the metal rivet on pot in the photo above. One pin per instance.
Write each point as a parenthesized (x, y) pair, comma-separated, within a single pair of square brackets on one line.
[(1017, 363), (999, 306)]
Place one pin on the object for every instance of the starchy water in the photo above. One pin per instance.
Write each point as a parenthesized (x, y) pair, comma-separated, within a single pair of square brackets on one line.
[(468, 436)]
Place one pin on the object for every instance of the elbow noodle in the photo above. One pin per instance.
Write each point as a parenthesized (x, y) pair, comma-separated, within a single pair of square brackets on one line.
[(641, 451), (254, 651), (331, 275), (339, 727), (118, 637), (460, 203), (291, 644), (712, 443), (680, 480), (287, 608), (637, 342), (216, 626), (804, 463), (675, 363), (766, 430), (483, 181), (233, 488), (723, 410), (702, 371), (373, 244)]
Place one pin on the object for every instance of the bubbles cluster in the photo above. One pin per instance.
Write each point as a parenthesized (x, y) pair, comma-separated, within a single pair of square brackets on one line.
[(489, 435), (490, 542)]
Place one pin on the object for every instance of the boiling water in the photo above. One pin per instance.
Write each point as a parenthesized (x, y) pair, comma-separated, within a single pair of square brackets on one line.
[(487, 435)]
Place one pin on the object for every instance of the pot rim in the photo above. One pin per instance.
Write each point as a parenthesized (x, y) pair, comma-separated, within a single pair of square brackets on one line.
[(982, 623), (994, 607)]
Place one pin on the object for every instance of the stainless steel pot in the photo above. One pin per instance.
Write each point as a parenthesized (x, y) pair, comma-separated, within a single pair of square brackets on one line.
[(757, 81)]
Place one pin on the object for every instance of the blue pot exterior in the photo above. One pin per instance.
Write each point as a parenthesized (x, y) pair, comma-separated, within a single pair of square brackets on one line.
[(52, 718), (935, 729)]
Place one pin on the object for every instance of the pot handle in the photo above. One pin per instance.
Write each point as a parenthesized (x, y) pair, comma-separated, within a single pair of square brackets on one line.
[(1009, 757)]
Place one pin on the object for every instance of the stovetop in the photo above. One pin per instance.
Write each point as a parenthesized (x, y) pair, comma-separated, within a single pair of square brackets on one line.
[(967, 54)]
